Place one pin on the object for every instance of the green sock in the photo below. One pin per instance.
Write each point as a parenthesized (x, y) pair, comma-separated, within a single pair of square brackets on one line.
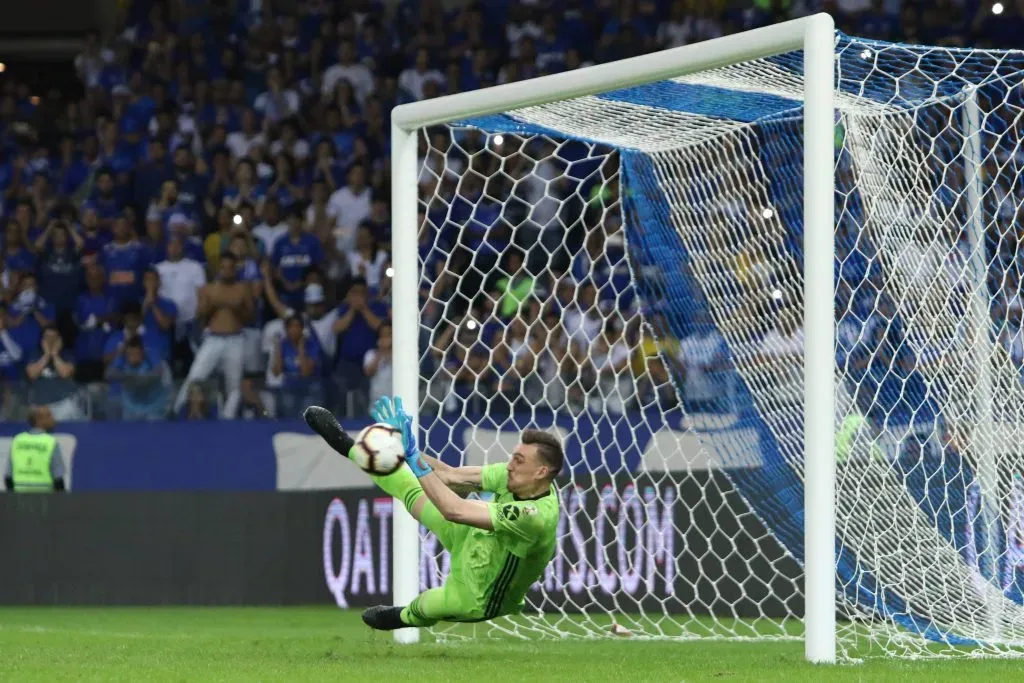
[(412, 615), (401, 484)]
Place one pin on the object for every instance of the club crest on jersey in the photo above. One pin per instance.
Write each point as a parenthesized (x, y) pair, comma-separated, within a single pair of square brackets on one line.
[(510, 512)]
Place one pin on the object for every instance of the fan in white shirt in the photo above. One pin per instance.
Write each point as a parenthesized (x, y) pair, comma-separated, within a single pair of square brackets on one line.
[(350, 70), (276, 102), (273, 226), (180, 280), (377, 364), (582, 318), (412, 80), (351, 204), (366, 260), (241, 141)]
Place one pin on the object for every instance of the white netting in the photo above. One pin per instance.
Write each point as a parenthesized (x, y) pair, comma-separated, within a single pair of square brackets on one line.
[(627, 269)]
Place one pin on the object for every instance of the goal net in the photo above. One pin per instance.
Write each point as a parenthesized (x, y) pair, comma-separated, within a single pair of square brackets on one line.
[(627, 269)]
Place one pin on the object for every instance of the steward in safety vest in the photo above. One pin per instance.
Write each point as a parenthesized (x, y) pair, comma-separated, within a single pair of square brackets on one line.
[(36, 464)]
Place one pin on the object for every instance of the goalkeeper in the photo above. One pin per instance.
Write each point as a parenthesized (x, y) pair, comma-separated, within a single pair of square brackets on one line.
[(498, 549)]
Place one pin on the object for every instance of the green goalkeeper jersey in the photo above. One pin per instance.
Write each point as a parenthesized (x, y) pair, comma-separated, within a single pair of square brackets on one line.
[(498, 567)]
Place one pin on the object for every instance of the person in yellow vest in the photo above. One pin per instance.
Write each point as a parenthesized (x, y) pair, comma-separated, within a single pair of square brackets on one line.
[(36, 464)]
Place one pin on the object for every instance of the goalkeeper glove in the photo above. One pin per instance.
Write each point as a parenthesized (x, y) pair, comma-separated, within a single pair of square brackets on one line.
[(392, 413)]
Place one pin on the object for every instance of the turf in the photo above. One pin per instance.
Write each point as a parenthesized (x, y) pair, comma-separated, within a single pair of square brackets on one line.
[(323, 644)]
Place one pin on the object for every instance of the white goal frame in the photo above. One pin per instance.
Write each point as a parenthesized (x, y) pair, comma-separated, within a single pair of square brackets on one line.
[(815, 35)]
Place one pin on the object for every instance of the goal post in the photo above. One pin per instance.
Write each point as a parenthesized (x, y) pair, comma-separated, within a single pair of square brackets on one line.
[(815, 36)]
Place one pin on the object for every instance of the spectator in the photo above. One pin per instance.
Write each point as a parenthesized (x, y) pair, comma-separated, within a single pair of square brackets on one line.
[(273, 227), (317, 317), (284, 187), (217, 242), (226, 304), (11, 362), (242, 141), (144, 382), (60, 270), (368, 260), (277, 102), (360, 77), (95, 239), (379, 222), (356, 329), (650, 373), (181, 279), (198, 405), (515, 287), (159, 315), (51, 378), (249, 403), (320, 221), (151, 175), (95, 312), (29, 312), (582, 319), (703, 360), (17, 255), (351, 206), (131, 327), (103, 201), (611, 362), (293, 255), (551, 47), (298, 361), (377, 364), (412, 80), (124, 260), (781, 354), (191, 186), (245, 191)]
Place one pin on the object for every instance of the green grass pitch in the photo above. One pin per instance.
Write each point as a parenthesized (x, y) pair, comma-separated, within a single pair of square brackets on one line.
[(324, 644)]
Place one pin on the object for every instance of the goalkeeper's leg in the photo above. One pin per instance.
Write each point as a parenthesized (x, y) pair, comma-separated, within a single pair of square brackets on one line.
[(401, 484), (447, 603)]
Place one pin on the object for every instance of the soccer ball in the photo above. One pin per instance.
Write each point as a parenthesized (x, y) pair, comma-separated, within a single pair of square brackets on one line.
[(379, 449)]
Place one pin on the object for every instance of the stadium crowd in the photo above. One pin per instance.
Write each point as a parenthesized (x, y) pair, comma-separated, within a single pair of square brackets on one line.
[(203, 231)]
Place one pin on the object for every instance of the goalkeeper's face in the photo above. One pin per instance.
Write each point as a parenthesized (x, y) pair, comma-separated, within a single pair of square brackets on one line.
[(526, 470)]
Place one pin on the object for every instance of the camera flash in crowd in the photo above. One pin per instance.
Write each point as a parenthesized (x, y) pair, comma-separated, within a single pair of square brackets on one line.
[(866, 54), (499, 140), (768, 212), (997, 8), (237, 219), (390, 272), (777, 294), (471, 325)]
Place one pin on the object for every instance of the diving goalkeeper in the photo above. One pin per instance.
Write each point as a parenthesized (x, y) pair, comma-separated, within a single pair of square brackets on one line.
[(498, 549)]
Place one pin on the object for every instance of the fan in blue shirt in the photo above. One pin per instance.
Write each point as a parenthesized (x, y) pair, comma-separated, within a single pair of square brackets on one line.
[(124, 260), (299, 361), (294, 254), (158, 315), (16, 253), (94, 312), (156, 342), (144, 389), (103, 200)]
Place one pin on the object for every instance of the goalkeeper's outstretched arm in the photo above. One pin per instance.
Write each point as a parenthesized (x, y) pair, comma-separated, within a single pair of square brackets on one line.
[(463, 480)]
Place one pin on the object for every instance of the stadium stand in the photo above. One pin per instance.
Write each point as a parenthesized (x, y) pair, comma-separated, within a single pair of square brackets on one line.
[(263, 133)]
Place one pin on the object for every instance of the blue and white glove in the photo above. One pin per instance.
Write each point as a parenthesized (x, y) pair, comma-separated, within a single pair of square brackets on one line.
[(391, 412)]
